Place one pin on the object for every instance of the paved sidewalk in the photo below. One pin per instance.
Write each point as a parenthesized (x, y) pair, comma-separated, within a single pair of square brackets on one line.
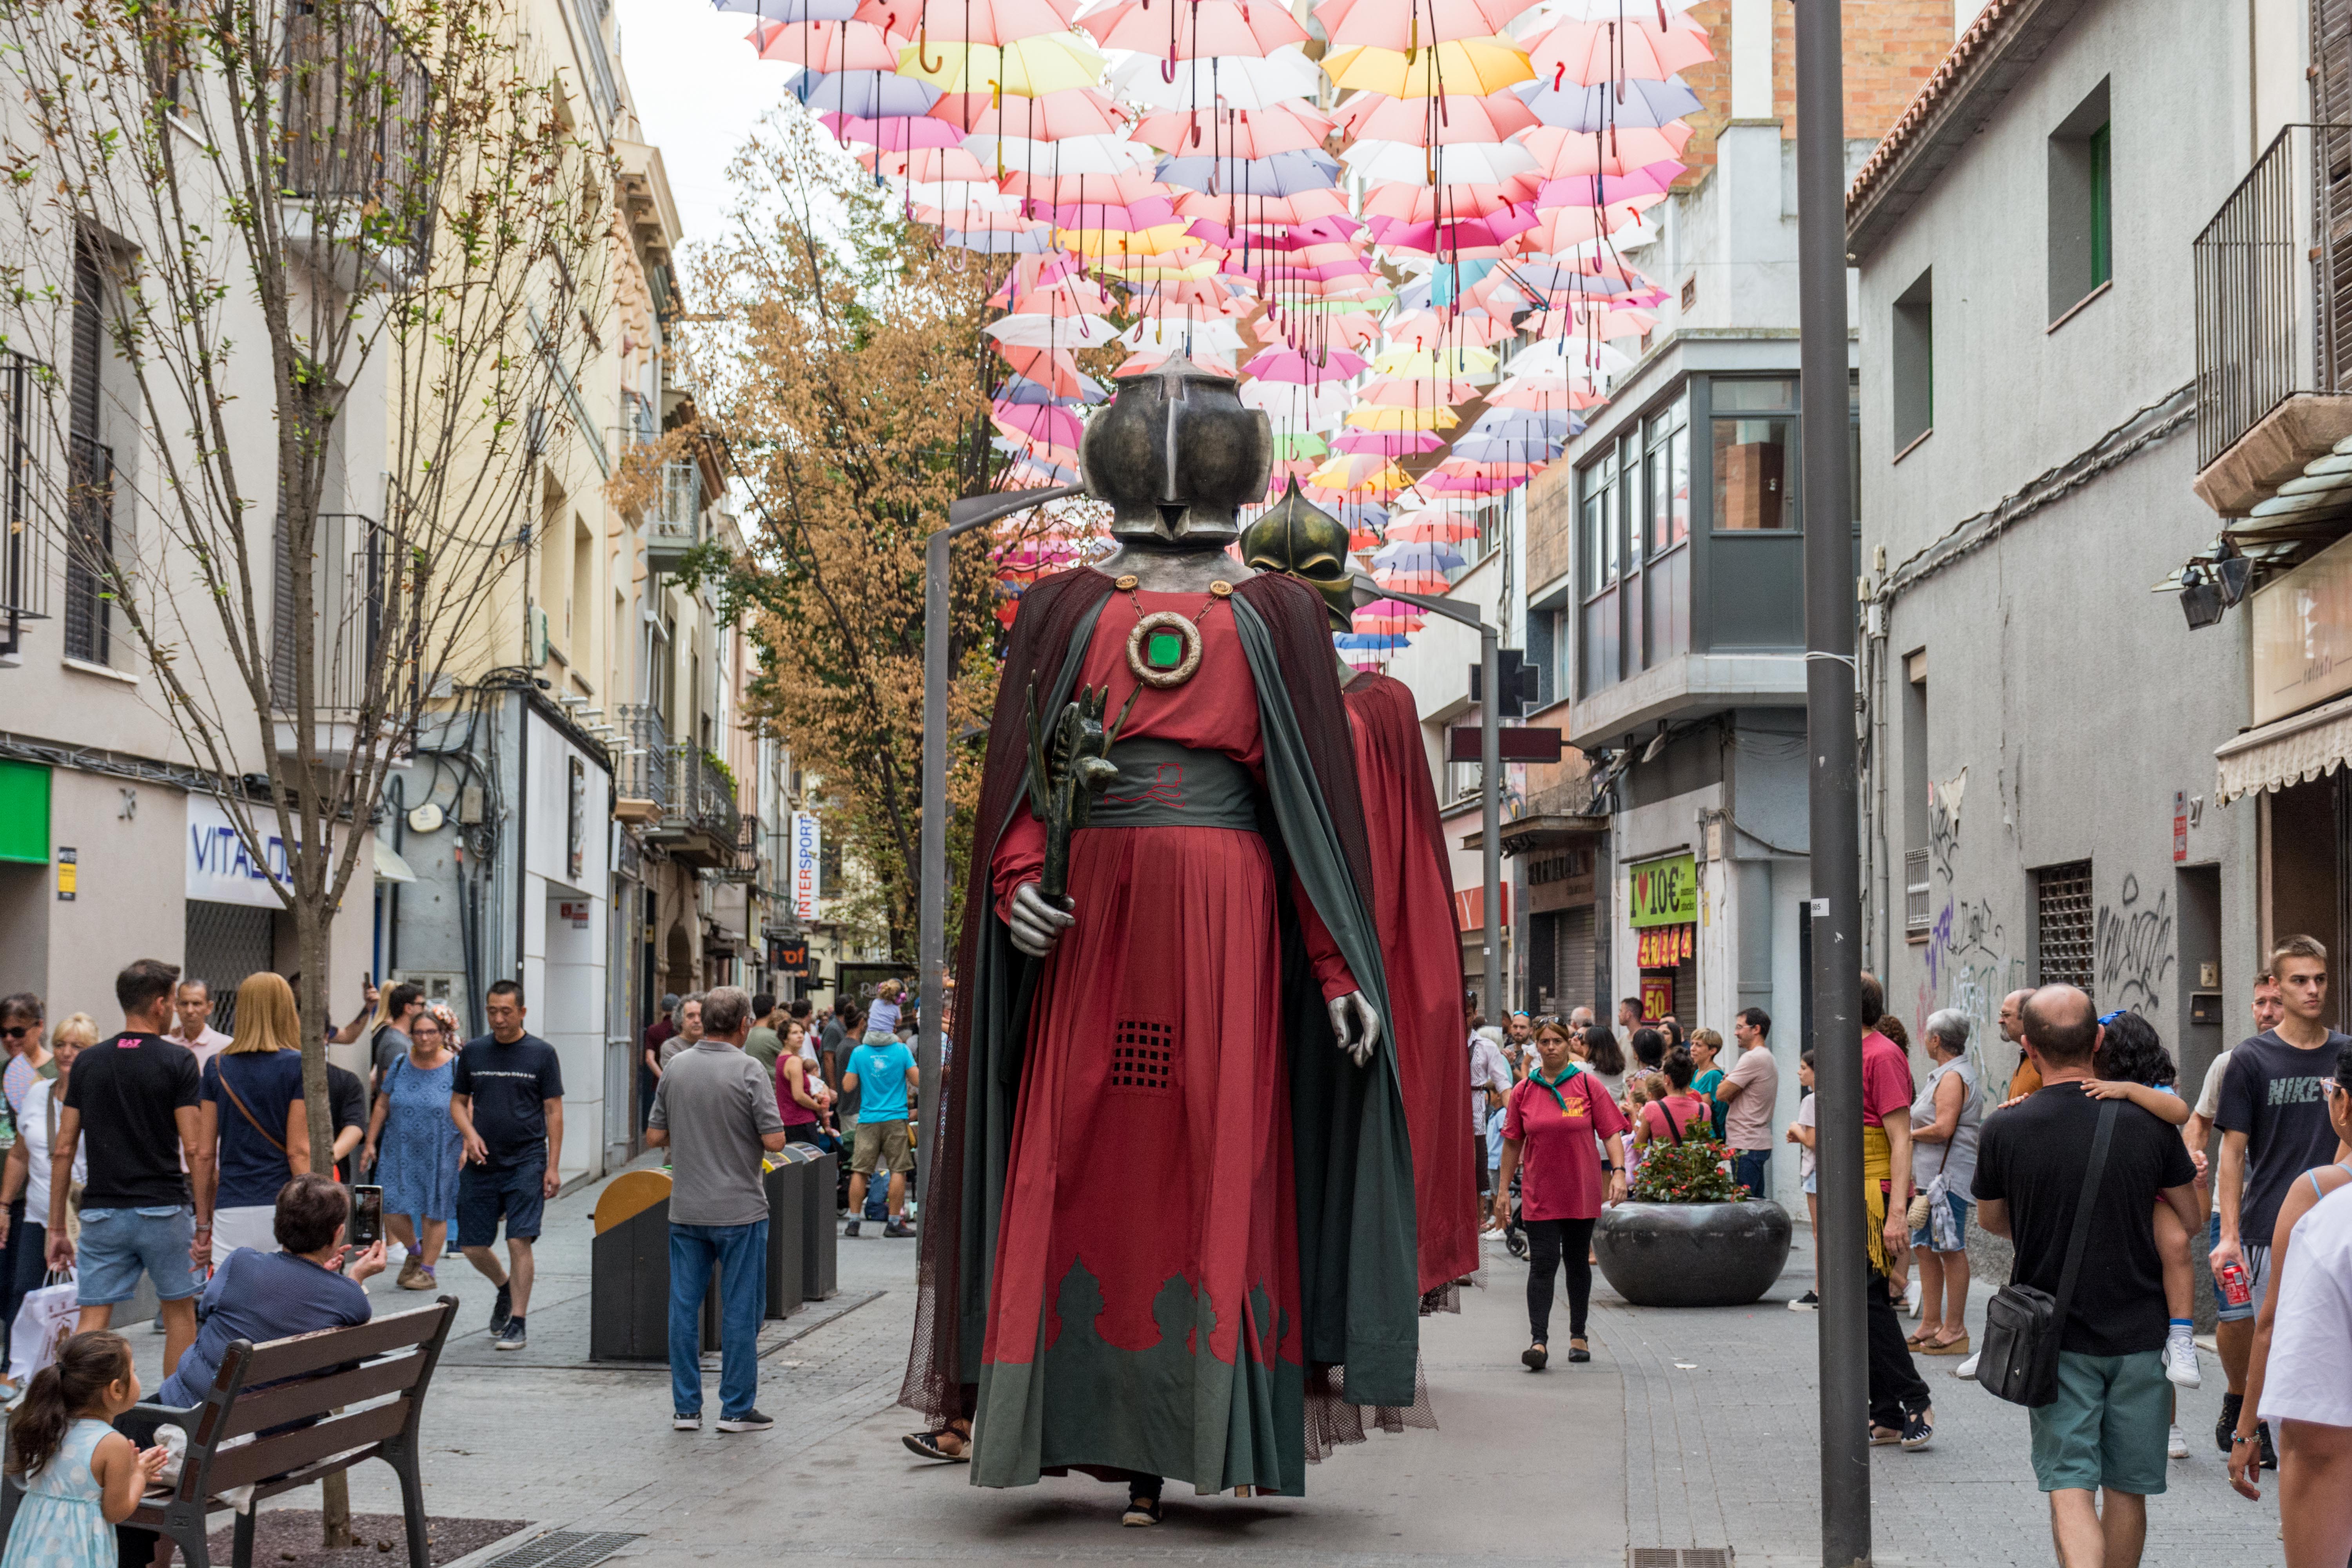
[(1689, 1429)]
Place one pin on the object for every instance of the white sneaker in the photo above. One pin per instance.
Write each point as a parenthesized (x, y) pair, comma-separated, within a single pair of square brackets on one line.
[(2180, 1363), (2177, 1444), (1911, 1299), (1967, 1368)]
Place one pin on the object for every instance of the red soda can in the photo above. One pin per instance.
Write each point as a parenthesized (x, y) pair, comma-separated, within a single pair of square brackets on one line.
[(2236, 1289)]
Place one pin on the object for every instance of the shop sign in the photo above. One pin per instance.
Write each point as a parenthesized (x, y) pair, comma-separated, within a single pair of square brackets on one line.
[(1663, 947), (1657, 997), (1558, 879), (223, 869), (807, 848), (1662, 892), (68, 873), (2302, 635), (575, 910), (789, 957)]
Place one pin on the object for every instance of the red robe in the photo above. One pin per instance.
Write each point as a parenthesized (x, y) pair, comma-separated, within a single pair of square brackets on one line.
[(1144, 1307), (1413, 909)]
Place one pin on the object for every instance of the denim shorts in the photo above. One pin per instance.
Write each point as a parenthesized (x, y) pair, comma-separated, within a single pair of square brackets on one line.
[(488, 1194), (117, 1246), (1919, 1238)]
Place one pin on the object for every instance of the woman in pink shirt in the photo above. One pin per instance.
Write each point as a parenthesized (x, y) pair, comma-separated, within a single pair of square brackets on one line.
[(1551, 1118), (1669, 1121)]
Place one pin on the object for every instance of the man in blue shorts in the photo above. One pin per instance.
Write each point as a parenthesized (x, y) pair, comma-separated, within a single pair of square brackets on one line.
[(506, 1098), (882, 1072)]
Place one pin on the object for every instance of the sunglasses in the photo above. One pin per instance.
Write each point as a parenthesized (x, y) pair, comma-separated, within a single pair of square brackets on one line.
[(17, 1031)]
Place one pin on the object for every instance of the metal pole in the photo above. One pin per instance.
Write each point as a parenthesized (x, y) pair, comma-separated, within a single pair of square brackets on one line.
[(931, 898), (1828, 515), (1490, 818)]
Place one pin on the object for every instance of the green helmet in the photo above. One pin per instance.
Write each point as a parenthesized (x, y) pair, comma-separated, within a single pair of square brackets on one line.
[(1299, 539)]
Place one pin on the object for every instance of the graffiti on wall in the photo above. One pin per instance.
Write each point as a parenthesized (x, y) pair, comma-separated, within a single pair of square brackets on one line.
[(2134, 947)]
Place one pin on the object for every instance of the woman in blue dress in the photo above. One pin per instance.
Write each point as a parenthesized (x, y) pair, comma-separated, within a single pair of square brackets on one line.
[(81, 1477), (414, 1149)]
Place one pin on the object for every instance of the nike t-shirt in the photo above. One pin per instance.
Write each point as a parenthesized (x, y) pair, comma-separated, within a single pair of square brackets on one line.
[(2276, 1094)]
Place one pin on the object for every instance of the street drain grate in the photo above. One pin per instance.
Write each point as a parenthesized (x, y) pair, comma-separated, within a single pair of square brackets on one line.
[(575, 1549), (1679, 1557)]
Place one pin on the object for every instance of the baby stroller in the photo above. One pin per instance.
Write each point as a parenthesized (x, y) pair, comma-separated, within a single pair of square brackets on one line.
[(1515, 1235)]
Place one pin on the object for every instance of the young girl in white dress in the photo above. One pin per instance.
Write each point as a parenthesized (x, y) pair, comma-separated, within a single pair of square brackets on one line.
[(82, 1478)]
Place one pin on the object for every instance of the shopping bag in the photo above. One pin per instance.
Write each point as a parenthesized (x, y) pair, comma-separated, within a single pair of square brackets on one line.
[(44, 1323)]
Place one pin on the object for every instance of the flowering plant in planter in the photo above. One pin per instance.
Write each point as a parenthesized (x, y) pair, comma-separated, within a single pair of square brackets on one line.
[(1695, 1171)]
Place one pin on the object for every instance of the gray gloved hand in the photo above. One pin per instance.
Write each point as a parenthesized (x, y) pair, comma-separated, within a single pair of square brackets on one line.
[(1037, 924), (1356, 1024)]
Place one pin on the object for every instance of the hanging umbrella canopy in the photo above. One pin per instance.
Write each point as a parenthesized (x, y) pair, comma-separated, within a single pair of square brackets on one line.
[(897, 134), (793, 10), (1498, 456), (1606, 189), (1054, 426), (1182, 337), (1124, 188), (1350, 473), (1146, 212), (1103, 154), (826, 46), (1453, 202), (1362, 642), (1471, 328), (868, 94), (1477, 66), (1255, 208), (1430, 583), (1237, 132), (1410, 391), (1452, 361), (1236, 82), (1609, 104), (1289, 364), (1432, 528), (969, 21), (1438, 418), (1021, 389), (1453, 163), (1616, 149), (1388, 443), (1198, 28), (1443, 119), (1281, 174), (1416, 556), (1633, 49), (1545, 394), (1030, 68), (1413, 24), (1072, 111), (1050, 331)]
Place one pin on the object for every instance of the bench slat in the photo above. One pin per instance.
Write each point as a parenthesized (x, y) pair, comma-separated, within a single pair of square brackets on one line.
[(316, 1396), (299, 1354), (267, 1456)]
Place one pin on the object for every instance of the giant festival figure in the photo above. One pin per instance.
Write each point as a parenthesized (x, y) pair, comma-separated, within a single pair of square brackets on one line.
[(1170, 1229)]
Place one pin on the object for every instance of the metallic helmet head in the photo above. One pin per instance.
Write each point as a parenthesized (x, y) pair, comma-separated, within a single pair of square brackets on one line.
[(1299, 539), (1176, 455)]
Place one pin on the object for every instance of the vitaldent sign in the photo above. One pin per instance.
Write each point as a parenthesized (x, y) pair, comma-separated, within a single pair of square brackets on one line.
[(221, 870), (806, 848)]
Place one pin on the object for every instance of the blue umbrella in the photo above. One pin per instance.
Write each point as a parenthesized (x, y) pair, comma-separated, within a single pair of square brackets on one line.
[(996, 242), (1021, 389), (1416, 557), (1598, 106), (1368, 642), (870, 95), (1508, 449), (792, 10), (1280, 174), (1517, 424)]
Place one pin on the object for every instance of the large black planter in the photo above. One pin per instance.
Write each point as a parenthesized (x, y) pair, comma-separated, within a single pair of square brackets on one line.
[(1692, 1255)]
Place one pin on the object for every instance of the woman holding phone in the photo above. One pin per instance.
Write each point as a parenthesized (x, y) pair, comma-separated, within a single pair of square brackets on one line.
[(413, 1149)]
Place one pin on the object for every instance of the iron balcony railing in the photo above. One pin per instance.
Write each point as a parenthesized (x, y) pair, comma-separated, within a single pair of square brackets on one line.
[(356, 116), (92, 569), (690, 793), (2273, 286), (645, 756), (748, 844), (701, 795), (354, 572), (27, 496)]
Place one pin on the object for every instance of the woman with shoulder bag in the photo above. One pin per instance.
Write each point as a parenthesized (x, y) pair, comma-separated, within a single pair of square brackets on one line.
[(1945, 1121), (27, 1174), (252, 1116)]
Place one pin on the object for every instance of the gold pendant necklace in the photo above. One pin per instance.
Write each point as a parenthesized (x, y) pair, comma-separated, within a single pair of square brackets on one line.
[(1164, 647)]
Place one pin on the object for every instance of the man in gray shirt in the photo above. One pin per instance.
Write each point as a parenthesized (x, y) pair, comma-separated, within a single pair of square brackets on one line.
[(715, 1113)]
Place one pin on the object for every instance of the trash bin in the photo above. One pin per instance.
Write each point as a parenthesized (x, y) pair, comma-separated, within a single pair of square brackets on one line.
[(820, 1237), (629, 1282), (788, 1172)]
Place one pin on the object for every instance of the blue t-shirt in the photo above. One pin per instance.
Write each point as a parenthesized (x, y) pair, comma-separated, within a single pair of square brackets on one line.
[(881, 1081), (252, 1168), (259, 1296)]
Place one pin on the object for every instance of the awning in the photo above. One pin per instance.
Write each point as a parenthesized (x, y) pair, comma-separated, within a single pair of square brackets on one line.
[(2307, 745), (389, 866)]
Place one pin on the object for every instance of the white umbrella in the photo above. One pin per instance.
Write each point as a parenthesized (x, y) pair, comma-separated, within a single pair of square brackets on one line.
[(1238, 81), (1045, 332), (1457, 163), (1069, 155), (1165, 336)]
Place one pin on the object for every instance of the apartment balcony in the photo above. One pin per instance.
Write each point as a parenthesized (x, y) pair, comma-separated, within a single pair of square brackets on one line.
[(677, 795), (29, 479), (355, 116), (674, 523), (2273, 302), (745, 866), (356, 676)]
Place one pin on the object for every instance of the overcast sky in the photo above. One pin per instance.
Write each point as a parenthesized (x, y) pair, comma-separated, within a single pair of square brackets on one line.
[(699, 91)]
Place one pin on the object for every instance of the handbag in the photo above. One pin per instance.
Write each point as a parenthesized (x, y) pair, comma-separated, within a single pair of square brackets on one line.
[(44, 1323), (1923, 1203), (2023, 1324)]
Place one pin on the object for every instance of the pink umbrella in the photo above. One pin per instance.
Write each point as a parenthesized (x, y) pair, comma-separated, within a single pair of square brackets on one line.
[(1388, 443), (1335, 365), (896, 134), (1636, 50), (1449, 118), (1196, 29), (1072, 111), (1412, 24), (1237, 132), (1561, 152), (1038, 421), (969, 21), (827, 46)]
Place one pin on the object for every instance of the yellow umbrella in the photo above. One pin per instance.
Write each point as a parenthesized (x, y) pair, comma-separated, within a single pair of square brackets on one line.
[(1475, 66), (1115, 242), (1373, 416), (1027, 68), (1359, 471), (1435, 363)]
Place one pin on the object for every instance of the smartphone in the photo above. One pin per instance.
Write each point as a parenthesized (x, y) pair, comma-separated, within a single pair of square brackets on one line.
[(367, 1218)]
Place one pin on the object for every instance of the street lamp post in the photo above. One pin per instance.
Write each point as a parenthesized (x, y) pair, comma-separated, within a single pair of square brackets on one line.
[(1490, 782), (1829, 515)]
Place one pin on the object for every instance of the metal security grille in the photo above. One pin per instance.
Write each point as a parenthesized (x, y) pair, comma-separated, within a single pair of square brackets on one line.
[(226, 943), (2064, 925), (1918, 896), (564, 1549)]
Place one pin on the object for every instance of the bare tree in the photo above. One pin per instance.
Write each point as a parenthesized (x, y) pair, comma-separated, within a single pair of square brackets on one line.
[(294, 245)]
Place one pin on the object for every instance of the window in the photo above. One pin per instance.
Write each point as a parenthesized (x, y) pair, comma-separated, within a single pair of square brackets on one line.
[(1665, 505), (2063, 926), (1753, 474), (1601, 650), (2082, 206), (1668, 464), (1917, 895), (90, 473), (1912, 348)]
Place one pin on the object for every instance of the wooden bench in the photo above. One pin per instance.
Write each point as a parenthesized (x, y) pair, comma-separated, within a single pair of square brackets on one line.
[(308, 1377)]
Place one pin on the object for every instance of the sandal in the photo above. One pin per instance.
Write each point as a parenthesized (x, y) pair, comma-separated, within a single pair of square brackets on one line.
[(1578, 1350), (1141, 1513), (927, 1444), (1535, 1356), (1946, 1347), (1913, 1341)]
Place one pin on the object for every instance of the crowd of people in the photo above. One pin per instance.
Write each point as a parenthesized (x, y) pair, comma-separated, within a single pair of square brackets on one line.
[(1566, 1111)]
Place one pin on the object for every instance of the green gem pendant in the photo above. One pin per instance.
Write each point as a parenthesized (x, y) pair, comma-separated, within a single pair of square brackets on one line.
[(1164, 650)]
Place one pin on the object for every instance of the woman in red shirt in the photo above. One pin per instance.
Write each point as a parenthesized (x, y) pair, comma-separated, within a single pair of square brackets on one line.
[(1669, 1121), (1551, 1120)]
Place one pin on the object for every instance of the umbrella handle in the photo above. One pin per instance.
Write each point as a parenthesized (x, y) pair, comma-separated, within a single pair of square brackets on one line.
[(1167, 69), (922, 41)]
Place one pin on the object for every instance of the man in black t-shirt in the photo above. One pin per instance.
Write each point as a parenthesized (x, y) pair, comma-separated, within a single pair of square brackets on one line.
[(506, 1098), (2273, 1120), (138, 1216), (2105, 1431)]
